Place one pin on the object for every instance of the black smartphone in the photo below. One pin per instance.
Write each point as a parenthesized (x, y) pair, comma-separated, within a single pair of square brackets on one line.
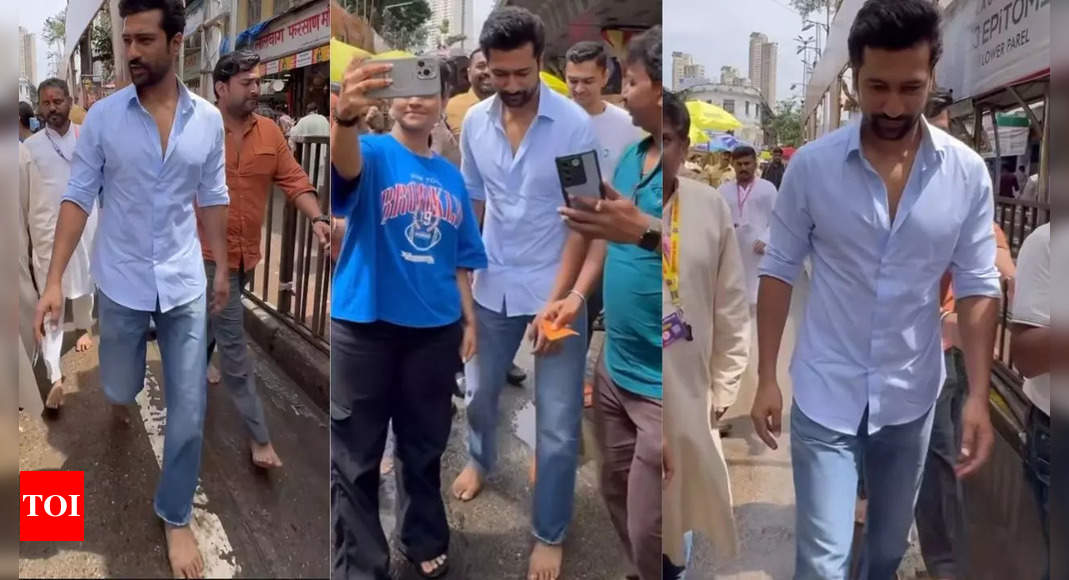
[(580, 176)]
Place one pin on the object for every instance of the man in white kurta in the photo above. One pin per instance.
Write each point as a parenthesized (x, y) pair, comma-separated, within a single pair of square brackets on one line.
[(29, 395), (751, 200), (51, 152), (701, 374)]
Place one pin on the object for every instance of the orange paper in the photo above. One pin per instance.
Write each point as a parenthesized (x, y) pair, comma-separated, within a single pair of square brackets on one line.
[(554, 334)]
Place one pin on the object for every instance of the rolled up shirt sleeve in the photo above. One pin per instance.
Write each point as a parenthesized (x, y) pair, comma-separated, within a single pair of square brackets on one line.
[(791, 227), (87, 166), (972, 265), (213, 190), (473, 180)]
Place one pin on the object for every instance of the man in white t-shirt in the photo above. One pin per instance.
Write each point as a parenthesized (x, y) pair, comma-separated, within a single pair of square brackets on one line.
[(1031, 352), (587, 73), (313, 125)]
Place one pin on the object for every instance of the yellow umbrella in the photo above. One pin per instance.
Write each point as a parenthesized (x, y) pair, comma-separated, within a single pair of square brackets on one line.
[(697, 136), (554, 83), (710, 117), (340, 56)]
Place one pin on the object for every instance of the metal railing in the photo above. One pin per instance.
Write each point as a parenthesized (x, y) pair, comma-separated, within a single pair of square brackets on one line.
[(293, 280), (1017, 219)]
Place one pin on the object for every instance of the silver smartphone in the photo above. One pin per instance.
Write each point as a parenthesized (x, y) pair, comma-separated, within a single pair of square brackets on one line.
[(580, 176), (416, 76)]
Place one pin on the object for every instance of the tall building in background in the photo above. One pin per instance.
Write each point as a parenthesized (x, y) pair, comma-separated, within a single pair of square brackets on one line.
[(694, 71), (460, 15), (763, 56), (27, 66), (680, 62)]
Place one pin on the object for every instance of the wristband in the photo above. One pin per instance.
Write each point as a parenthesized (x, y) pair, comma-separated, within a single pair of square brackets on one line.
[(579, 294), (944, 313), (347, 122)]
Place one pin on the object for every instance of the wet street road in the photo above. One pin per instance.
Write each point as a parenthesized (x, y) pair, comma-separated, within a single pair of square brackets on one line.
[(249, 523)]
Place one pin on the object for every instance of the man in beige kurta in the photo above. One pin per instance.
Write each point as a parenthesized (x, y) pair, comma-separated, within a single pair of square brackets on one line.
[(701, 376), (29, 393)]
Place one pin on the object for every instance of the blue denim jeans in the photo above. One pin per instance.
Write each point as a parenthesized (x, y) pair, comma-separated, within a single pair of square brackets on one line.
[(180, 333), (558, 399), (825, 465), (1037, 468), (679, 572)]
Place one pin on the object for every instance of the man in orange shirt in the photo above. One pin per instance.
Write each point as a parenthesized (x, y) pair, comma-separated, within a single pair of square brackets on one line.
[(939, 510), (257, 155)]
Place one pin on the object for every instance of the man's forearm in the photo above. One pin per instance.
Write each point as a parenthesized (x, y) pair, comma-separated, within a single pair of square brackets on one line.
[(590, 273), (977, 317), (69, 228), (572, 259), (345, 151), (479, 207), (1030, 348), (308, 204), (773, 306), (467, 302), (214, 219)]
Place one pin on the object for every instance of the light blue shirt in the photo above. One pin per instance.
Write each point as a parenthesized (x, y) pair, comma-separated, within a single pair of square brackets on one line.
[(522, 231), (146, 245), (871, 333)]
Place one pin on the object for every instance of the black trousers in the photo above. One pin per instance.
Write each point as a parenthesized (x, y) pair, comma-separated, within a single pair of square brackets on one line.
[(594, 304), (379, 372)]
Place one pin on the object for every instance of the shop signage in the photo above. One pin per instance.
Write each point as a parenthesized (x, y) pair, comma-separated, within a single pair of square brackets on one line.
[(300, 31)]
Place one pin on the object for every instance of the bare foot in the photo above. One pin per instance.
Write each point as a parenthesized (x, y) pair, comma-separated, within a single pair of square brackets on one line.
[(214, 376), (85, 342), (545, 562), (435, 568), (264, 456), (120, 415), (55, 396), (386, 466), (468, 484), (186, 561)]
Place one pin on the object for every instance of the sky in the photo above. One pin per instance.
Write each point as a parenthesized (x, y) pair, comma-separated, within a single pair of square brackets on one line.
[(32, 17), (717, 33)]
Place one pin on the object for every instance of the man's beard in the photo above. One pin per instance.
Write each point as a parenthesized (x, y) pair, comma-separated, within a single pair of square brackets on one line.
[(243, 108), (147, 75), (58, 120), (517, 100), (889, 129)]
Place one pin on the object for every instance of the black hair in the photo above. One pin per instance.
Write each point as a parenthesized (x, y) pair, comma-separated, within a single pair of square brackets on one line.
[(588, 50), (895, 25), (54, 83), (477, 50), (312, 107), (174, 13), (646, 49), (231, 64), (938, 101), (777, 149), (743, 151), (25, 113), (447, 74), (675, 114), (511, 27)]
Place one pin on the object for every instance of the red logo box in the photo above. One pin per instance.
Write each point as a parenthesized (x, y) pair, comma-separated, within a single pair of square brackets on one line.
[(51, 506)]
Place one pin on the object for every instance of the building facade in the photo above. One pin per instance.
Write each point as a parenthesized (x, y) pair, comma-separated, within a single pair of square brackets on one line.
[(27, 66), (763, 61), (738, 97), (452, 18), (680, 62)]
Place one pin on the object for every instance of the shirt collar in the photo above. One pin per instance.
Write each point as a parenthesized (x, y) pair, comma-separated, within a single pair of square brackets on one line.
[(547, 104), (933, 143), (186, 103)]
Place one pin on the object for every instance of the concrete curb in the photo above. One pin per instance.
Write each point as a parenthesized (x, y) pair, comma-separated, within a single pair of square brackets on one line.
[(308, 366)]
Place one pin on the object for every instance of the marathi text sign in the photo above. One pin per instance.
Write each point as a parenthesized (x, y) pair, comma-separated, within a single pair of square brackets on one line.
[(303, 30), (1010, 41)]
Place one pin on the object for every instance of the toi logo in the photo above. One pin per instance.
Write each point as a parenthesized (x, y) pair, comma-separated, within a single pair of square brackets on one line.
[(52, 506)]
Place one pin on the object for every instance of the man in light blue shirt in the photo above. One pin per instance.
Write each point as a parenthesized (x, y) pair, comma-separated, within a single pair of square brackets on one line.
[(883, 208), (146, 155), (509, 143)]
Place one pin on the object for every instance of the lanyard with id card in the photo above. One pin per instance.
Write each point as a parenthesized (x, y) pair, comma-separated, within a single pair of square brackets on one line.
[(673, 327)]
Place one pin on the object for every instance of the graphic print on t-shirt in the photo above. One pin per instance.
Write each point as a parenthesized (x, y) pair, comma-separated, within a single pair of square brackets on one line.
[(427, 205)]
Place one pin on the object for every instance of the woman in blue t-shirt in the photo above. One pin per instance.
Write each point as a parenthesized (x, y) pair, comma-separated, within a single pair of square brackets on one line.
[(402, 317)]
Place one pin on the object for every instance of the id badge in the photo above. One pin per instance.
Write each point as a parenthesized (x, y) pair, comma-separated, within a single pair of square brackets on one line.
[(674, 328)]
